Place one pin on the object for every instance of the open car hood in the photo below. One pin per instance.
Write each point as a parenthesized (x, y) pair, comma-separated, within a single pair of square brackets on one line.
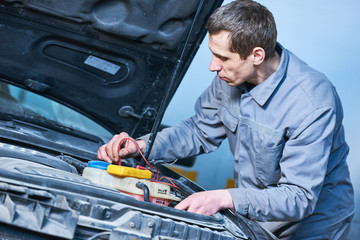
[(111, 60)]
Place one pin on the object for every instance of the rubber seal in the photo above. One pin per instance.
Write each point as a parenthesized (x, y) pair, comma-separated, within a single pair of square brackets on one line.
[(98, 164)]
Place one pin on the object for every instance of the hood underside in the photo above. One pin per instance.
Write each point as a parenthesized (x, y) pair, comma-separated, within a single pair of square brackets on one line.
[(111, 60)]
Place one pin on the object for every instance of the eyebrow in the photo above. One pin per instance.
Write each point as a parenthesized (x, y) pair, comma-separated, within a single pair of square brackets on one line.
[(220, 56)]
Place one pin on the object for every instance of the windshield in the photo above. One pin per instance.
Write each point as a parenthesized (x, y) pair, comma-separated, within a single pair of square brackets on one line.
[(20, 102)]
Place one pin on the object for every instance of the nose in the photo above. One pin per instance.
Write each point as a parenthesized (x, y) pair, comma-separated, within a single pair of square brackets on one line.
[(214, 65)]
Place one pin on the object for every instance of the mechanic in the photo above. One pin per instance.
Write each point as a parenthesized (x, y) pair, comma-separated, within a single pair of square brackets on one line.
[(283, 121)]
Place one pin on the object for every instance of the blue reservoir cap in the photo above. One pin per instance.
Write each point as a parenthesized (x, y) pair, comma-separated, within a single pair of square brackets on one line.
[(98, 164)]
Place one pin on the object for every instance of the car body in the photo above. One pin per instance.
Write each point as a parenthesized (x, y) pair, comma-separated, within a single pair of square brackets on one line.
[(72, 74)]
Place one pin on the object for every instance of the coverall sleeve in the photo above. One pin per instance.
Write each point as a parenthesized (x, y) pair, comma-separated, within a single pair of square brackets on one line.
[(202, 133)]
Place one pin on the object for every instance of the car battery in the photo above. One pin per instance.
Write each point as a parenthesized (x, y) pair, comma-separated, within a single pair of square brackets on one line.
[(134, 182)]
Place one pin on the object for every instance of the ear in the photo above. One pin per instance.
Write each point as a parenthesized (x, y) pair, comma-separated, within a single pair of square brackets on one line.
[(258, 55)]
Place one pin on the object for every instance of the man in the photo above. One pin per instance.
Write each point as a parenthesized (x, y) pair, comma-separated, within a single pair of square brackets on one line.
[(283, 121)]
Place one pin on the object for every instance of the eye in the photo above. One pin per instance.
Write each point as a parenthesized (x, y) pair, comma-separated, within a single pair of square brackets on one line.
[(220, 57), (223, 58)]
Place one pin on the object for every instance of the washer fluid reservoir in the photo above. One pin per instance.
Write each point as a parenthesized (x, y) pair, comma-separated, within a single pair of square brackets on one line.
[(128, 180)]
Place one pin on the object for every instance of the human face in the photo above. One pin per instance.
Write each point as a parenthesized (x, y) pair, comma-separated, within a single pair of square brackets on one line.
[(228, 65)]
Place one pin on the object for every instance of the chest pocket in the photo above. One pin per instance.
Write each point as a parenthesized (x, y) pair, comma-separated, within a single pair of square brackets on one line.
[(267, 161), (227, 112), (229, 121), (266, 146)]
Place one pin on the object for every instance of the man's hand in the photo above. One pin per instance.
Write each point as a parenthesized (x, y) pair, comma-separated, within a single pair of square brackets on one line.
[(207, 202), (110, 152)]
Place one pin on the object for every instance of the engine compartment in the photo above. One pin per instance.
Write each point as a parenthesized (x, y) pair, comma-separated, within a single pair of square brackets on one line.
[(46, 202)]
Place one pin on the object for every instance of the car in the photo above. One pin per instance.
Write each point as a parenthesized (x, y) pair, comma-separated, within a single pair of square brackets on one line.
[(73, 74)]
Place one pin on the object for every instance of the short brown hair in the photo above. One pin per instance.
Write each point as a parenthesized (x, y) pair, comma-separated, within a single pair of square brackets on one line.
[(250, 25)]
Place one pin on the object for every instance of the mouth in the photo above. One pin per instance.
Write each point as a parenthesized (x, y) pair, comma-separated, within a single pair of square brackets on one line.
[(224, 78)]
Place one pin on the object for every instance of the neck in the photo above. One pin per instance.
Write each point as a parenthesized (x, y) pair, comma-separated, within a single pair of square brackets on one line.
[(265, 69)]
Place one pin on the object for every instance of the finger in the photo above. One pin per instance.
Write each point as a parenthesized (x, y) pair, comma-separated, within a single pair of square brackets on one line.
[(183, 205), (101, 154), (120, 141), (108, 147), (141, 144), (200, 209), (124, 153), (130, 149)]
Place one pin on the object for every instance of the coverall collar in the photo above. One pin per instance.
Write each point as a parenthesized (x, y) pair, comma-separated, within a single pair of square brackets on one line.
[(262, 92)]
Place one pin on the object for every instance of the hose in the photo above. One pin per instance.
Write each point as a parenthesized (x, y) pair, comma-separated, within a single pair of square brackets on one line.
[(145, 189)]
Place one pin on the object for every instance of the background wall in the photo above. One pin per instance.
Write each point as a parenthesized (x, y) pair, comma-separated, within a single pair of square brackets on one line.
[(324, 33)]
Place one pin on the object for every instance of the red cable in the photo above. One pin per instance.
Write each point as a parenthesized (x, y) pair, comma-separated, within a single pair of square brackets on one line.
[(157, 171)]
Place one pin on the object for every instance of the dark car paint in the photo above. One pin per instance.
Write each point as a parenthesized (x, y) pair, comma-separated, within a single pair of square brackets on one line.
[(46, 47)]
